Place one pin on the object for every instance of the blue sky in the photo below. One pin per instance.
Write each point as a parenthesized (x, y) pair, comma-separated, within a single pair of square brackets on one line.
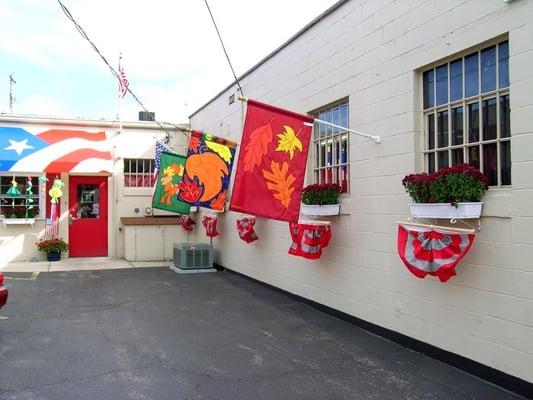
[(171, 53)]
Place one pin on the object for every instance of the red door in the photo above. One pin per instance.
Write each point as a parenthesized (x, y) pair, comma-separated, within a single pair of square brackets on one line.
[(87, 216)]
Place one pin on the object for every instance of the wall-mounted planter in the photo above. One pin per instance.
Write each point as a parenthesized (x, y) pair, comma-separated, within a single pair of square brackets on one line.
[(18, 221), (316, 210), (446, 210)]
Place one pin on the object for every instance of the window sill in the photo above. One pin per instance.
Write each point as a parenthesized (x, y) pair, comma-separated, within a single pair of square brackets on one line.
[(137, 191)]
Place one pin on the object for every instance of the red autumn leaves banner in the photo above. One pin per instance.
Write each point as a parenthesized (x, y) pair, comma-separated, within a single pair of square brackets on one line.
[(272, 162)]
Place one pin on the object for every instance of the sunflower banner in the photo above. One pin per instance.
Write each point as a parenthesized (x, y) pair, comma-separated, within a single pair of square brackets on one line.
[(207, 171), (167, 184), (272, 160)]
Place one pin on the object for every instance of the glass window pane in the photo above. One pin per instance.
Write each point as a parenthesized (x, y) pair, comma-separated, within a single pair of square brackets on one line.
[(431, 163), (490, 163), (503, 60), (335, 120), (344, 115), (88, 201), (429, 86), (473, 122), (344, 149), (337, 152), (329, 118), (505, 117), (442, 84), (457, 156), (322, 154), (345, 178), (488, 69), (443, 159), (442, 128), (505, 160), (489, 119), (431, 131), (456, 80), (316, 155), (322, 126), (471, 75), (457, 126), (473, 156), (329, 155)]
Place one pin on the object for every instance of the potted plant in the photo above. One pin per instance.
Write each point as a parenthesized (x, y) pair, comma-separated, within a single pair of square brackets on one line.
[(321, 199), (22, 212), (453, 192), (53, 248), (8, 212)]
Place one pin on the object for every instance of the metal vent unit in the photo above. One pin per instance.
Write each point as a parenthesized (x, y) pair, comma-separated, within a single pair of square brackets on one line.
[(146, 116), (190, 256)]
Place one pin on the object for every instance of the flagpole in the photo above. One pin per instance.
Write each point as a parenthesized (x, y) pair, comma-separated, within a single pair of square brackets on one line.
[(376, 139)]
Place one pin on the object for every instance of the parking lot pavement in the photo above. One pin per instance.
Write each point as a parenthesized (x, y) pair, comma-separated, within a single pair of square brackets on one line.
[(148, 333)]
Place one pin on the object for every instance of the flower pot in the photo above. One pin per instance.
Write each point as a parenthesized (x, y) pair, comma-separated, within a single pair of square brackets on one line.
[(446, 210), (53, 255), (327, 209)]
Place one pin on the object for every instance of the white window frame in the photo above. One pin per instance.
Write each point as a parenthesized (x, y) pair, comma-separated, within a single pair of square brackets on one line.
[(41, 196), (464, 102), (332, 135)]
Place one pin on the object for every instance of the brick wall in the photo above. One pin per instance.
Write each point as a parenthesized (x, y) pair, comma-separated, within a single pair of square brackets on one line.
[(371, 51)]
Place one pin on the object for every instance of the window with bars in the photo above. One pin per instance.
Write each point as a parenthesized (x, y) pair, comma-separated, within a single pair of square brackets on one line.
[(22, 205), (139, 172), (331, 162), (467, 114)]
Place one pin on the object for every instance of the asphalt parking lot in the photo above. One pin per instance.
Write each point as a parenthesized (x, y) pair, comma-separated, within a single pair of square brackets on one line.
[(149, 333)]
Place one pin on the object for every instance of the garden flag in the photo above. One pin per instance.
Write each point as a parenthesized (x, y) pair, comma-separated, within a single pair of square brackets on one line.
[(167, 184), (430, 251), (272, 161), (207, 171)]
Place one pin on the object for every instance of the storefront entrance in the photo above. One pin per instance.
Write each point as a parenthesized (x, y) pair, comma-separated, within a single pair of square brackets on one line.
[(87, 216)]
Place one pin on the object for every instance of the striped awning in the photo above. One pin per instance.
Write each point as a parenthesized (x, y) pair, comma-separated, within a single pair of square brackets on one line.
[(54, 151)]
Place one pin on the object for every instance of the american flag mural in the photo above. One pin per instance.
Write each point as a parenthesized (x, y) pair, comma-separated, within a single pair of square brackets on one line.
[(54, 151)]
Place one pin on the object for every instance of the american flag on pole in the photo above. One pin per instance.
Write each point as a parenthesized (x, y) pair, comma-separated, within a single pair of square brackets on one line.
[(159, 148), (52, 223), (123, 83), (54, 151)]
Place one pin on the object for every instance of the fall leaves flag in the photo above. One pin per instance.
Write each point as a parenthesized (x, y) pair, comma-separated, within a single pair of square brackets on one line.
[(207, 171), (168, 184), (272, 161)]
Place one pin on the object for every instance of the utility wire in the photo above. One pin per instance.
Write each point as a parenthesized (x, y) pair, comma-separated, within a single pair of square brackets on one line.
[(224, 48), (113, 71)]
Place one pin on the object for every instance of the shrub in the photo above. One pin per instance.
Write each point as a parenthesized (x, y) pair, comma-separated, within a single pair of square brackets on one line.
[(50, 245), (327, 193), (460, 183)]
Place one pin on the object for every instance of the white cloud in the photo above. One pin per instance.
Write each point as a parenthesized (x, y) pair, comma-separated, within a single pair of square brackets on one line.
[(170, 48)]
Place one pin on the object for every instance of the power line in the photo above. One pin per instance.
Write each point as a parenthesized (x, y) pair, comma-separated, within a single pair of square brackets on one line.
[(113, 71), (224, 48)]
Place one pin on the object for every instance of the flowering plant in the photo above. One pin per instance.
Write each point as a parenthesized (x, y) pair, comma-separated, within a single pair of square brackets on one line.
[(20, 212), (460, 183), (326, 193), (52, 245)]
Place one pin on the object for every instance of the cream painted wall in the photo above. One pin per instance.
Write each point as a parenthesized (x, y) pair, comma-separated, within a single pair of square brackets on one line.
[(17, 243), (371, 52)]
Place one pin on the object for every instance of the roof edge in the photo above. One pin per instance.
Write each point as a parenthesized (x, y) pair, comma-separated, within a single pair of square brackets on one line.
[(276, 51)]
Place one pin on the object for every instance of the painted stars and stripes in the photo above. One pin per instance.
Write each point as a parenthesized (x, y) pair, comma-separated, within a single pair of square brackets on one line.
[(54, 151), (123, 83)]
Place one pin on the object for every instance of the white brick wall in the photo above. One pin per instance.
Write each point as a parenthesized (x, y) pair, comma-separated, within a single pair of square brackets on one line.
[(370, 51)]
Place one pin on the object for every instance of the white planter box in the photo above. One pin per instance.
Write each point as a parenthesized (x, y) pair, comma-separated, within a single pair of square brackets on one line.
[(18, 221), (446, 210), (311, 210)]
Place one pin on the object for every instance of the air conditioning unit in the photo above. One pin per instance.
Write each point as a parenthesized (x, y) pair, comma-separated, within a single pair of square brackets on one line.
[(191, 256)]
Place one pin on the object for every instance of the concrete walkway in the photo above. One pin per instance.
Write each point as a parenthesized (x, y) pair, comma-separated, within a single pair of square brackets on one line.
[(79, 264), (148, 333)]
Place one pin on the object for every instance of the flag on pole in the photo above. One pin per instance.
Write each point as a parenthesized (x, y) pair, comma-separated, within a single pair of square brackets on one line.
[(166, 189), (272, 160), (123, 83), (52, 224), (207, 171)]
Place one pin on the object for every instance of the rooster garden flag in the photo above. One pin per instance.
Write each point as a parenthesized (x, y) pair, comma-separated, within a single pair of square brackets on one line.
[(272, 160), (207, 171), (167, 184)]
